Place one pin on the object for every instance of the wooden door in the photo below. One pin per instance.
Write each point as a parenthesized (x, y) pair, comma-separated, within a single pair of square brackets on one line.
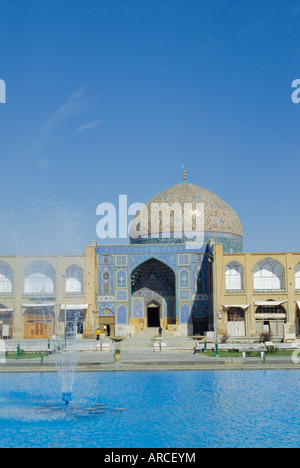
[(38, 325)]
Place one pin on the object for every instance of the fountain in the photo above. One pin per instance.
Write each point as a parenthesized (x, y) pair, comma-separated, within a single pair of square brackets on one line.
[(65, 362), (51, 227), (64, 348), (65, 353)]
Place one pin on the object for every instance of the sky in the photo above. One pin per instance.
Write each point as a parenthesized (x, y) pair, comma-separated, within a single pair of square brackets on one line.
[(112, 97)]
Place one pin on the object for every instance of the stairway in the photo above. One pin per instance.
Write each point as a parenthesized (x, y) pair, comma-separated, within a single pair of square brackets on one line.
[(151, 332), (144, 339)]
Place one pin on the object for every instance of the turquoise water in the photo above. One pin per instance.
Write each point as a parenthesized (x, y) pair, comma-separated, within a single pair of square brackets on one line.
[(152, 410)]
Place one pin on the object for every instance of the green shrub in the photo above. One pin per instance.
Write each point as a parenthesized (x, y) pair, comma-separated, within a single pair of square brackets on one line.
[(265, 337), (252, 354), (272, 350)]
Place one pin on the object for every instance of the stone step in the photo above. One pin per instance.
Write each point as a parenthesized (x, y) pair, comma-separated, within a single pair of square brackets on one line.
[(147, 332), (152, 332), (139, 342)]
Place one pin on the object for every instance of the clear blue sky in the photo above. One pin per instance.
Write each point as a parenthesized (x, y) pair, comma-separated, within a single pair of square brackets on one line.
[(112, 97)]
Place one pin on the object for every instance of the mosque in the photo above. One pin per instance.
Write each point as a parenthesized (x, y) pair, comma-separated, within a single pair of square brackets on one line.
[(163, 278)]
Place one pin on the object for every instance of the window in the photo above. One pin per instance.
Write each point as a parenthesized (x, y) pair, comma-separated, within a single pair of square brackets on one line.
[(297, 276), (270, 309), (74, 324), (235, 314), (106, 289), (6, 278), (74, 280), (269, 275), (234, 273), (39, 278)]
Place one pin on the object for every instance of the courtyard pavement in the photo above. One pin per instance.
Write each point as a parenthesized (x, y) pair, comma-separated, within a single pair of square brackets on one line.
[(148, 360)]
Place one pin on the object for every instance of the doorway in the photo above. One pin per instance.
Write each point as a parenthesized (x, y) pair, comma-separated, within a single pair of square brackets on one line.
[(236, 322), (38, 324), (153, 316), (74, 324), (106, 325), (5, 325)]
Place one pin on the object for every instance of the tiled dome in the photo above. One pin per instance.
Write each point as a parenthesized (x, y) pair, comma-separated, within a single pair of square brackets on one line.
[(219, 217)]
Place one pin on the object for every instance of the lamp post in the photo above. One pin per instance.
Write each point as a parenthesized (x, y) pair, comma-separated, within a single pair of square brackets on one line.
[(211, 259), (64, 276)]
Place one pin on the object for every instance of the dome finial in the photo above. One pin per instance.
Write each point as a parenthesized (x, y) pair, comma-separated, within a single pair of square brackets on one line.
[(183, 174)]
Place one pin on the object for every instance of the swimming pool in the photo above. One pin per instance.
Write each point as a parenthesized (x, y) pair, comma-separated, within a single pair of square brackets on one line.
[(153, 410)]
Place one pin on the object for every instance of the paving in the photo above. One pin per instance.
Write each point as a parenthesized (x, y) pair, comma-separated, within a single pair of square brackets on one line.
[(143, 353), (148, 360)]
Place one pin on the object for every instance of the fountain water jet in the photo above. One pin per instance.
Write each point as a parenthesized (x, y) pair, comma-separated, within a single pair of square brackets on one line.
[(46, 228), (65, 354), (66, 362)]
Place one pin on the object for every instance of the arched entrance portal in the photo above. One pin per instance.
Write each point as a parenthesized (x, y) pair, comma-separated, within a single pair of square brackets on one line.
[(153, 300)]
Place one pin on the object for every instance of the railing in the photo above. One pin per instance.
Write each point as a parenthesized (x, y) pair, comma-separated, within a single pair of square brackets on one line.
[(269, 290), (69, 293), (38, 295), (234, 291)]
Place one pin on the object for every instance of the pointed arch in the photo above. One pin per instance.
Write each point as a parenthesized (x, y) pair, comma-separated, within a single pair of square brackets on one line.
[(137, 260), (106, 312), (297, 276), (153, 274), (6, 278), (74, 279), (153, 293), (39, 278), (269, 274), (234, 274)]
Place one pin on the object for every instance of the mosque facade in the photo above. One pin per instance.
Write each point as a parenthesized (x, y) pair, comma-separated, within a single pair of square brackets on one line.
[(185, 281)]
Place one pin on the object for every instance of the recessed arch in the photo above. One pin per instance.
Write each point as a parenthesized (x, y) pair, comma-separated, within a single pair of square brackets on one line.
[(234, 274), (269, 274), (74, 279), (105, 312), (106, 281), (297, 276), (146, 258), (39, 278), (6, 278), (153, 271), (153, 282)]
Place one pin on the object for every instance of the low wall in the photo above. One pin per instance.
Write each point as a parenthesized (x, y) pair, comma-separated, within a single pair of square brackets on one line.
[(45, 345)]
